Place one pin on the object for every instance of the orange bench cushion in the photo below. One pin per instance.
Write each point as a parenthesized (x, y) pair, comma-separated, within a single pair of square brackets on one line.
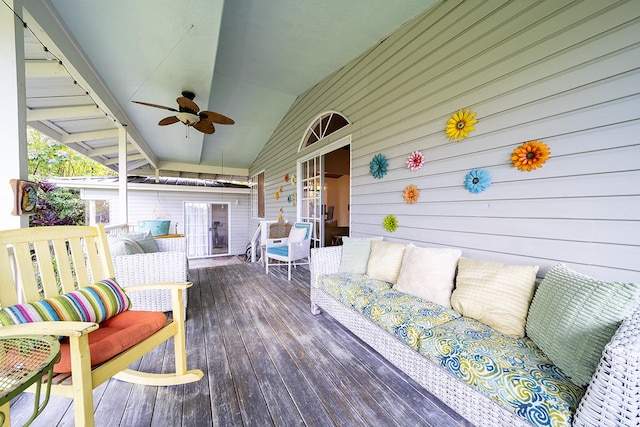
[(114, 336)]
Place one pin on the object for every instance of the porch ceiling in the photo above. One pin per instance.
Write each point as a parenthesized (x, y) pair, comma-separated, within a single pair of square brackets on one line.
[(246, 59)]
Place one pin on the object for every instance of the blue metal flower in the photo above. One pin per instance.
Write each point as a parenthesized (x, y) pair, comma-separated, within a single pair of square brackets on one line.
[(477, 180), (378, 166)]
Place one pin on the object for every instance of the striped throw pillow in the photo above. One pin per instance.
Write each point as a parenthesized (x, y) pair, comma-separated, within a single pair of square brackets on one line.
[(93, 303)]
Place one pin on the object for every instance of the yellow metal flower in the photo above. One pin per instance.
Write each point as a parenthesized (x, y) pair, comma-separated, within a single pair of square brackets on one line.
[(411, 194), (460, 124), (530, 155)]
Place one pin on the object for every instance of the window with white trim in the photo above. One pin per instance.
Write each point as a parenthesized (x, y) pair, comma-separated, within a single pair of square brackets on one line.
[(257, 196), (324, 125), (97, 212)]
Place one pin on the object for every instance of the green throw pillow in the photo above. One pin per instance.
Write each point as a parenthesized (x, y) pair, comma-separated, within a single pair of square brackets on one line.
[(123, 246), (355, 254), (132, 243), (145, 240), (573, 316)]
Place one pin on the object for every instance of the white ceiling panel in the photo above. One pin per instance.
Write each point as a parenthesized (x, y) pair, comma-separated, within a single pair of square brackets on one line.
[(246, 59)]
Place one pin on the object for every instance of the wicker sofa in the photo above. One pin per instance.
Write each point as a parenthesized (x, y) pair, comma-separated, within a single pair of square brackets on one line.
[(169, 264), (612, 397)]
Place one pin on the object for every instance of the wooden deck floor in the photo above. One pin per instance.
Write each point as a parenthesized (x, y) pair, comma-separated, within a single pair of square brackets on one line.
[(267, 361)]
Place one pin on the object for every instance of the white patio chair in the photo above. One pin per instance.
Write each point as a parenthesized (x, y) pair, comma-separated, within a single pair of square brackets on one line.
[(293, 250)]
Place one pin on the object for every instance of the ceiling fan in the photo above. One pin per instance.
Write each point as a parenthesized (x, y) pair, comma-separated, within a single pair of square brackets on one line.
[(189, 113)]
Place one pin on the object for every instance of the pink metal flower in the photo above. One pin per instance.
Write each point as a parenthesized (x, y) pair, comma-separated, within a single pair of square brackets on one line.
[(415, 160)]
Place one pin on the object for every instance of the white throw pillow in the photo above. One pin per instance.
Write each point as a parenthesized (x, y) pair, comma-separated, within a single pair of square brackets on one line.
[(385, 261), (428, 273), (495, 294), (355, 254), (297, 234)]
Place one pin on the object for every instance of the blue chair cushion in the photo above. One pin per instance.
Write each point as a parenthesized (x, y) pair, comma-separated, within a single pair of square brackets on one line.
[(279, 250)]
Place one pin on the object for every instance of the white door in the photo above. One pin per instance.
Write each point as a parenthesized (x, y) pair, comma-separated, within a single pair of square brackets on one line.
[(312, 183), (312, 191), (206, 229)]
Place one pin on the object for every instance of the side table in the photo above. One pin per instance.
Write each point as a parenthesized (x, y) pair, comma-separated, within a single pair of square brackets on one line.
[(25, 360)]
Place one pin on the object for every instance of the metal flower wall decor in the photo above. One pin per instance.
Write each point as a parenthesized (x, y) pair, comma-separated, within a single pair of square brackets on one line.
[(390, 223), (378, 166), (530, 155), (460, 124), (477, 180), (411, 194), (277, 194), (415, 160)]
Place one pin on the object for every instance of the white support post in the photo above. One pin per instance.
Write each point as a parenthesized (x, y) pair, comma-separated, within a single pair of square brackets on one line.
[(122, 175), (13, 124)]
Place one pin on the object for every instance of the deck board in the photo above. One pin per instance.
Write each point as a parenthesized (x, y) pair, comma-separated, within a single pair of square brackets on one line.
[(267, 361)]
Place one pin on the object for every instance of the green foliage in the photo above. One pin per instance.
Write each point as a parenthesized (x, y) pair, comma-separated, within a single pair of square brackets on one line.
[(48, 158), (58, 206)]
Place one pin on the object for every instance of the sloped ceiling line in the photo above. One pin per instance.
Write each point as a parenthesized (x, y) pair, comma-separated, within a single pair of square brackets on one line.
[(246, 59)]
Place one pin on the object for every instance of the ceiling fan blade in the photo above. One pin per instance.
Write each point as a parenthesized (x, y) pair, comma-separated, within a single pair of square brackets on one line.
[(214, 117), (168, 121), (188, 105), (148, 104), (205, 127)]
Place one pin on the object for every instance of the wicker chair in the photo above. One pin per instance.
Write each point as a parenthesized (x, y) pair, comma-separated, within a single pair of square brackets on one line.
[(167, 265), (613, 395), (293, 250)]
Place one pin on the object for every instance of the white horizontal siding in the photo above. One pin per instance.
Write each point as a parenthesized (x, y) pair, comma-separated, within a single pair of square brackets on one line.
[(146, 205), (566, 73)]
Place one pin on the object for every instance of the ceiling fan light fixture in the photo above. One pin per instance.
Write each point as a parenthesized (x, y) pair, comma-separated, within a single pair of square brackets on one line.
[(188, 118), (190, 115)]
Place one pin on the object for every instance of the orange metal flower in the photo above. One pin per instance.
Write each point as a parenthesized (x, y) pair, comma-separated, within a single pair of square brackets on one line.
[(530, 155), (411, 194)]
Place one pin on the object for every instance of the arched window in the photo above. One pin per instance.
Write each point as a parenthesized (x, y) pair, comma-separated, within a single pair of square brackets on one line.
[(324, 125)]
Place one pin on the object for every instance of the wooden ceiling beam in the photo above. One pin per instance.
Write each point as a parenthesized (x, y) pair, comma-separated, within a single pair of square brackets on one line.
[(187, 167), (63, 113), (135, 165), (131, 158), (106, 151), (42, 68), (91, 136)]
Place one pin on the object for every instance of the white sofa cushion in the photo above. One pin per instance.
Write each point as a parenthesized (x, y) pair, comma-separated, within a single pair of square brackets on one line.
[(428, 273), (495, 294), (385, 261)]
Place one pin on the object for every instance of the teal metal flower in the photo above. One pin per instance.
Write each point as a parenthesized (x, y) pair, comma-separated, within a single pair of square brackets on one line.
[(378, 166), (477, 180)]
